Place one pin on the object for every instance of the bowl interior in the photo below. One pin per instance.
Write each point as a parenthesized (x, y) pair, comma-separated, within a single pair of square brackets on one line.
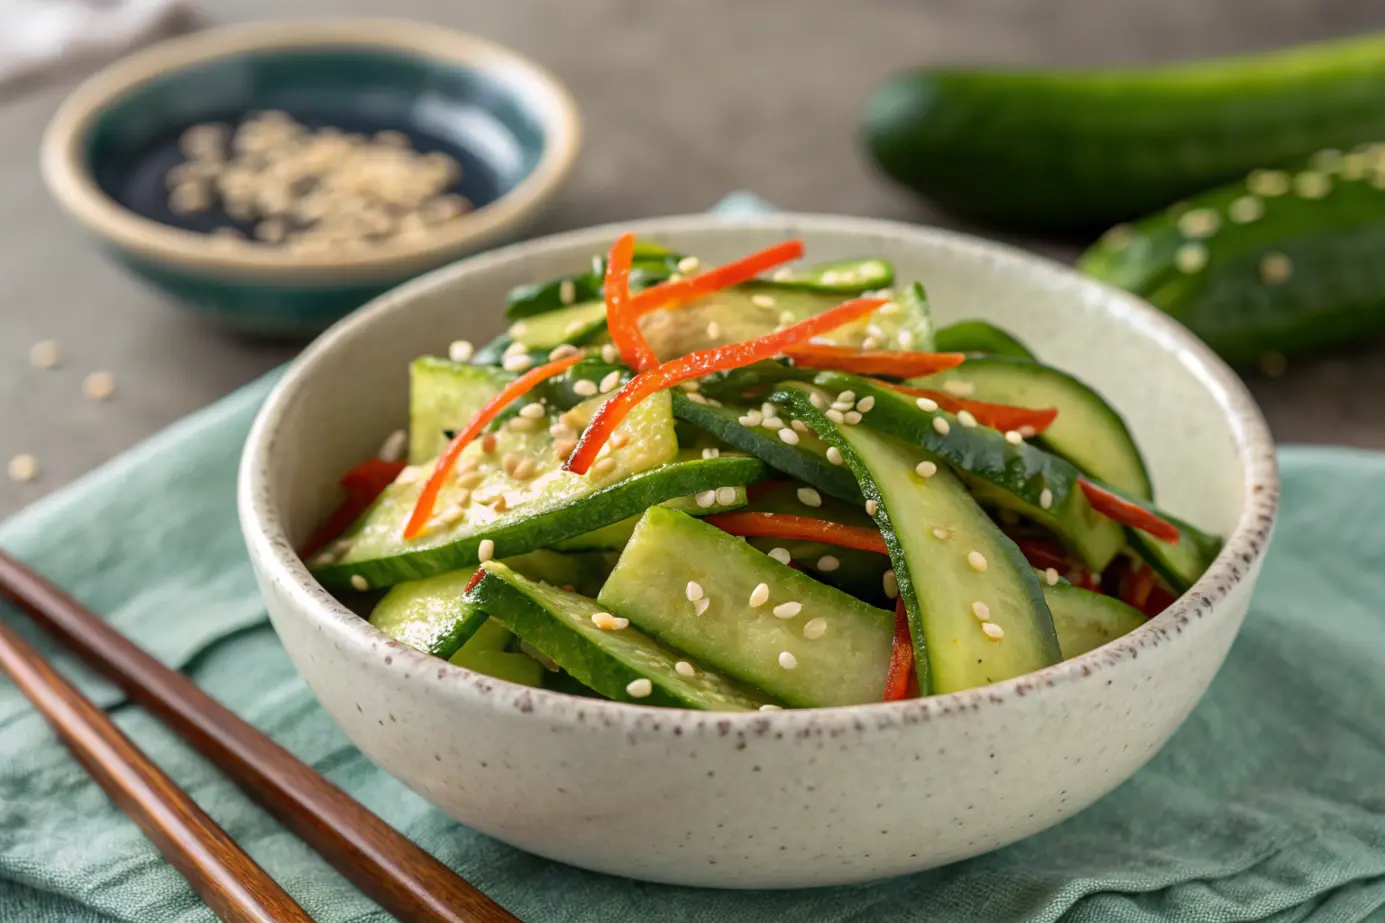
[(471, 113), (1202, 438)]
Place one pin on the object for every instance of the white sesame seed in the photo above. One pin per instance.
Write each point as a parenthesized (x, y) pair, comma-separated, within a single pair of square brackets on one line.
[(751, 418), (941, 533), (359, 583), (1013, 437), (524, 424), (1310, 184), (1051, 576), (871, 507), (44, 354), (1268, 183), (891, 584), (609, 353), (981, 611), (977, 560), (787, 610), (781, 555), (713, 330), (1246, 209), (771, 708), (759, 596), (834, 455), (392, 449), (788, 437), (486, 550), (865, 404), (567, 291), (762, 301), (965, 418), (1190, 258), (847, 397), (959, 387), (1199, 223), (604, 620), (815, 628), (787, 317), (726, 495), (524, 470), (926, 469), (842, 406), (1275, 268), (768, 410), (620, 439), (700, 606), (851, 417), (705, 498), (683, 668), (584, 387), (23, 468), (515, 349), (564, 448), (516, 363), (993, 631), (562, 351), (827, 563), (693, 385), (688, 264), (639, 688), (799, 426), (835, 415), (787, 660), (870, 343), (99, 386), (772, 423), (711, 453), (533, 411), (694, 591), (927, 404), (611, 381), (817, 400), (698, 398), (906, 339), (941, 425), (809, 497), (1045, 498)]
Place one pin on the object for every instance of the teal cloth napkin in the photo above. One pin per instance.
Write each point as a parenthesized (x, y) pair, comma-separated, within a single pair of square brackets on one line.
[(1268, 804)]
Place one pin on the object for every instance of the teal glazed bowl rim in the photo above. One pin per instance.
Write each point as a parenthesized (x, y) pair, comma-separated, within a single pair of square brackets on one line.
[(66, 171)]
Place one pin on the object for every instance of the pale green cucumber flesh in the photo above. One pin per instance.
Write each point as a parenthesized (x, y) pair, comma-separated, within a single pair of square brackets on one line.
[(1086, 620), (979, 336), (445, 395), (671, 551)]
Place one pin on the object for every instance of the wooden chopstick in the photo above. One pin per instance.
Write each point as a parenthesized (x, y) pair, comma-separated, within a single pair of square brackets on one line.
[(399, 876), (225, 877)]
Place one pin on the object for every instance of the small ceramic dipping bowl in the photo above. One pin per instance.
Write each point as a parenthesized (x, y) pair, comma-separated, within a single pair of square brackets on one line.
[(510, 125)]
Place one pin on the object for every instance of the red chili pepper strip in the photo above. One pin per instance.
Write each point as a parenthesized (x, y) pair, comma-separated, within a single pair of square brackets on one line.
[(901, 657), (1159, 600), (363, 484), (475, 579), (997, 416), (720, 277), (1127, 513), (899, 363), (620, 318), (804, 528), (697, 364), (428, 498), (1043, 554)]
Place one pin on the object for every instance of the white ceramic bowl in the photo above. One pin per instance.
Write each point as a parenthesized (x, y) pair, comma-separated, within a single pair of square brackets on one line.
[(795, 798)]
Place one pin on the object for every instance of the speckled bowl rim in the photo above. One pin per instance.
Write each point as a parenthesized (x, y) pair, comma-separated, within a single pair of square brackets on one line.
[(1243, 549), (62, 154)]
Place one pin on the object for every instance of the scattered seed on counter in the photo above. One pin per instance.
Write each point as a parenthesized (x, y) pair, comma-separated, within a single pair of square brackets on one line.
[(23, 468), (99, 386), (45, 354)]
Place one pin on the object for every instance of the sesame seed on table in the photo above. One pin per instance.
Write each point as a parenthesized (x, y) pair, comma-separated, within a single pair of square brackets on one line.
[(639, 160)]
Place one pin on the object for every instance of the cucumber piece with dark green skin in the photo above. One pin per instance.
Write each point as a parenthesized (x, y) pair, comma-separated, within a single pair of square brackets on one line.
[(486, 653), (806, 461), (1180, 564), (577, 325), (617, 535), (651, 264), (1023, 478), (1281, 262), (725, 629), (1083, 149), (612, 662), (1086, 620), (445, 395), (952, 564), (979, 336), (1088, 431), (840, 277)]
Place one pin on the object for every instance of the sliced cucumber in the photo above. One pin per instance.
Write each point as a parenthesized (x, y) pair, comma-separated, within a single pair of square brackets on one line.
[(671, 552), (840, 277), (445, 395), (559, 624), (1086, 620), (806, 461), (577, 325), (615, 536), (979, 336), (951, 563), (1087, 431), (1020, 477), (652, 263), (486, 653), (1182, 563)]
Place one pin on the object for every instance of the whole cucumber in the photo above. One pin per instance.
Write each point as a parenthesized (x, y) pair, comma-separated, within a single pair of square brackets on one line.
[(1071, 150), (1279, 263)]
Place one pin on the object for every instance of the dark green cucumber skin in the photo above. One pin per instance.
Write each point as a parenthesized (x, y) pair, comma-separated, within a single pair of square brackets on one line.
[(1181, 564), (582, 514), (651, 264), (979, 336), (1065, 150), (724, 423), (1334, 294)]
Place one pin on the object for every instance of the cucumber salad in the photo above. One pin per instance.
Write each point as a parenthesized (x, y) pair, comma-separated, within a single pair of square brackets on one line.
[(757, 485)]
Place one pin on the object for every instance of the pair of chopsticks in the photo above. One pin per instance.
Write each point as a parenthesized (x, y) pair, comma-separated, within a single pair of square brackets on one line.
[(385, 865)]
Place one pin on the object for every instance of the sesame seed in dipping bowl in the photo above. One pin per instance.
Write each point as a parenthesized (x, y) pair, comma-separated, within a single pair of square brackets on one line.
[(273, 177), (774, 797)]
